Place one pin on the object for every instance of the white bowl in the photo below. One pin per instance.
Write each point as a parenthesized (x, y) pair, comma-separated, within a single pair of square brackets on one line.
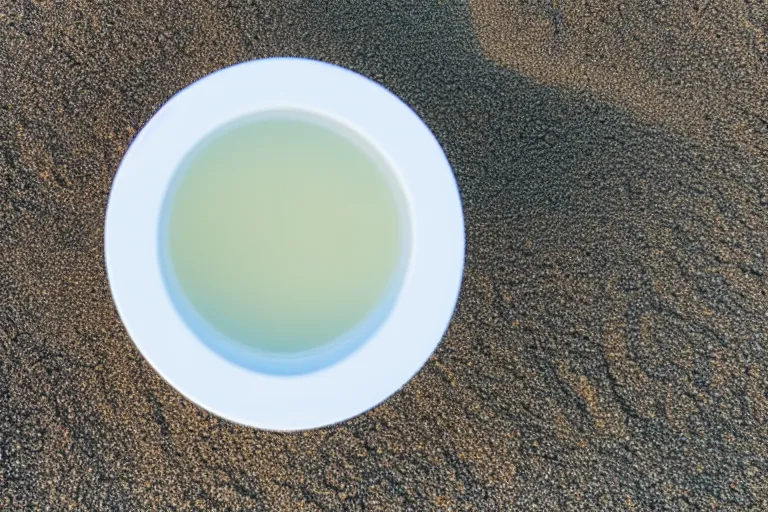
[(423, 307)]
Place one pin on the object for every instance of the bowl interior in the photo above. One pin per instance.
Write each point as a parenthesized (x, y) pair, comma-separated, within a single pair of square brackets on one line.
[(336, 348)]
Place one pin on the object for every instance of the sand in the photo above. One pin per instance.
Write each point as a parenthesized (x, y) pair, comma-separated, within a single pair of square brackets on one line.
[(609, 348)]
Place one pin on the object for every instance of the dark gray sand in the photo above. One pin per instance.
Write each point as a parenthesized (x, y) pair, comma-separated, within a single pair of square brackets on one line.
[(609, 348), (697, 68)]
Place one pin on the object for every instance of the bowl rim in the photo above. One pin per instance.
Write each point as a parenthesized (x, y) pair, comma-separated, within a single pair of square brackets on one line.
[(403, 342)]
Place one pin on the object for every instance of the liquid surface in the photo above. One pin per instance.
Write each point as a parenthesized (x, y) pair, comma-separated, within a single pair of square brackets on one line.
[(282, 234)]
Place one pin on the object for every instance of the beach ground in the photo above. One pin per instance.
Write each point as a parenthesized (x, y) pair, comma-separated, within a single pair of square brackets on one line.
[(608, 351)]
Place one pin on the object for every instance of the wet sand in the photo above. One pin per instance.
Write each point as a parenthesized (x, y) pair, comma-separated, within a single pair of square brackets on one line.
[(609, 348)]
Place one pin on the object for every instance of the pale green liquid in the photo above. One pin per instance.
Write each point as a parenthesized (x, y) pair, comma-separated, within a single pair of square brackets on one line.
[(283, 234)]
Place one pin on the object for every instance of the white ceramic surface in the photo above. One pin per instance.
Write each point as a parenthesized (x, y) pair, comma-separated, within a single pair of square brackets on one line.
[(423, 308)]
